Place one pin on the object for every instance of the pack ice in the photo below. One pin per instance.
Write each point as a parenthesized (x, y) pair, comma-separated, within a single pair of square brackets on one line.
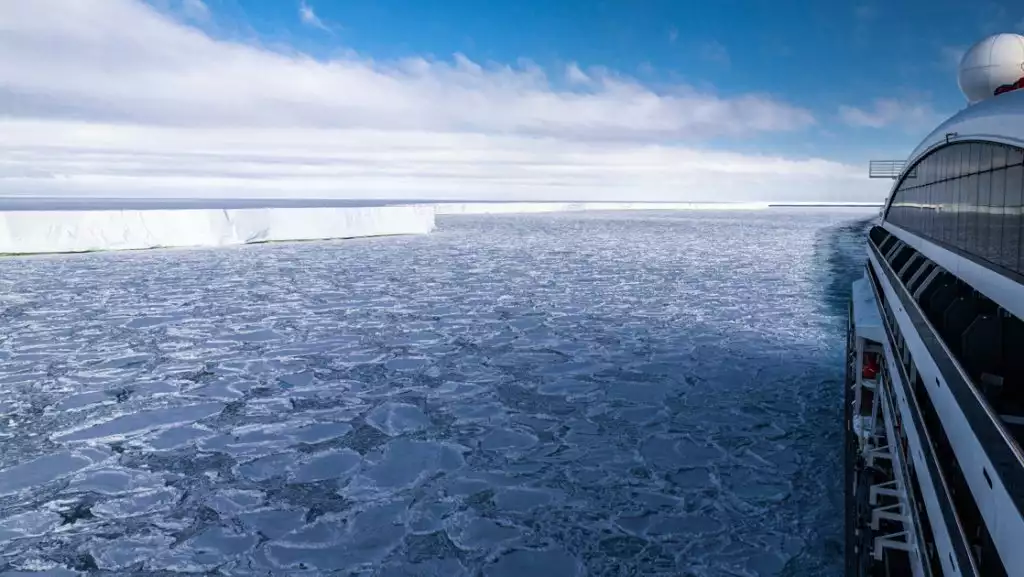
[(535, 207)]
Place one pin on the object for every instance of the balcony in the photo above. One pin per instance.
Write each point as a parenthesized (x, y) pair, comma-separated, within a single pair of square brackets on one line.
[(886, 168)]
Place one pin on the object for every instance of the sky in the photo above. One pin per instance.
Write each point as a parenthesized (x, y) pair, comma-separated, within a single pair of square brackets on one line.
[(476, 99)]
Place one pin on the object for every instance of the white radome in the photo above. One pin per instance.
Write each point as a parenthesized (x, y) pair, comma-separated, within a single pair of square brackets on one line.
[(991, 63)]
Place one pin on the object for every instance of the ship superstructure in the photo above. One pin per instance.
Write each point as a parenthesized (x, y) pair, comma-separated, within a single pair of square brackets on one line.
[(934, 393)]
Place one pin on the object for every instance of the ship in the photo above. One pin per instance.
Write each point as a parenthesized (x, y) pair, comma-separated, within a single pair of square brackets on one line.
[(934, 387)]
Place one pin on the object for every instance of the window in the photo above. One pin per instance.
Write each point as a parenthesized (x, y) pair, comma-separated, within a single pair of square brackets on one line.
[(979, 240), (940, 163), (998, 157), (944, 209), (959, 165), (1014, 156), (954, 210), (928, 210), (915, 209), (969, 196), (974, 162), (928, 170), (985, 160), (968, 193), (1012, 220), (949, 153), (904, 201), (994, 224)]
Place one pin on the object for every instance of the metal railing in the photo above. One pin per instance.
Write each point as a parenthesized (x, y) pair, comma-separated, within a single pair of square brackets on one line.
[(886, 168)]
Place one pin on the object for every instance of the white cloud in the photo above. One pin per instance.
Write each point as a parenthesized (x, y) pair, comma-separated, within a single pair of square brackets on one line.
[(309, 17), (195, 10), (911, 115), (116, 160), (114, 97), (575, 75)]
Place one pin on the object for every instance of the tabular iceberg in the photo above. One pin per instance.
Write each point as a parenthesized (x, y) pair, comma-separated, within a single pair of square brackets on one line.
[(533, 207), (28, 232)]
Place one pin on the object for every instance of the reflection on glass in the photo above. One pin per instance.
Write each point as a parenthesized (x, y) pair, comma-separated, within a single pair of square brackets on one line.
[(978, 213)]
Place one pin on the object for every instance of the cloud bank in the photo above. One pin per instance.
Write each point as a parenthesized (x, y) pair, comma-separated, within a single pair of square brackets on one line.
[(309, 17), (912, 116), (113, 97)]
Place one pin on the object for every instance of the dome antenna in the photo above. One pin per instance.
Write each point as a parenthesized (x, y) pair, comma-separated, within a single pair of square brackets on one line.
[(992, 67)]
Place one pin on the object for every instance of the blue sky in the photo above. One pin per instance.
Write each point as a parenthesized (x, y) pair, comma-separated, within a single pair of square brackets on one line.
[(817, 55), (573, 99)]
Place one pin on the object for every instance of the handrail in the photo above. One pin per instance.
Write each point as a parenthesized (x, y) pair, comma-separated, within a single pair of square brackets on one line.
[(971, 386), (887, 403), (886, 168), (927, 446)]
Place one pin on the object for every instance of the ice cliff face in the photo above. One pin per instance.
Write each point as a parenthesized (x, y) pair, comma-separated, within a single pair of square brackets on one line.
[(27, 232), (48, 231)]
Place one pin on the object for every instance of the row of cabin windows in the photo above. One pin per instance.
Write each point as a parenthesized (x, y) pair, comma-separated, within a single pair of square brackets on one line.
[(978, 210), (982, 547), (962, 159)]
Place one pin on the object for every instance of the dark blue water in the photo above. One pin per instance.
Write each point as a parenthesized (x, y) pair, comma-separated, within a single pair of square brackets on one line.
[(574, 394)]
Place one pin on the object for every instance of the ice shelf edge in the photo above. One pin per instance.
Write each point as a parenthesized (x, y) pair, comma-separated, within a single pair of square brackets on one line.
[(36, 232)]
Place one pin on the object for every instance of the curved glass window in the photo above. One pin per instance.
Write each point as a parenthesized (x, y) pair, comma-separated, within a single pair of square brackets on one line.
[(967, 196)]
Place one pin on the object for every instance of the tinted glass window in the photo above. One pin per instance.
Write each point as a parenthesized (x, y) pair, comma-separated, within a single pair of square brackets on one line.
[(897, 209), (915, 210), (943, 208), (957, 162), (919, 211), (970, 196), (998, 156), (1014, 156), (963, 190), (927, 214), (899, 201), (948, 216), (979, 240), (974, 161), (908, 209), (969, 218), (1010, 252), (995, 217), (902, 209), (985, 161)]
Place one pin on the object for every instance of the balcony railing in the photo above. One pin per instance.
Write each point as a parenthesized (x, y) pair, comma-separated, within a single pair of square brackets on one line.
[(886, 168)]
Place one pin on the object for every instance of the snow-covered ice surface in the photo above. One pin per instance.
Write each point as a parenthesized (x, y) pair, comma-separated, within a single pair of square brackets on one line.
[(536, 207), (650, 393), (45, 231)]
